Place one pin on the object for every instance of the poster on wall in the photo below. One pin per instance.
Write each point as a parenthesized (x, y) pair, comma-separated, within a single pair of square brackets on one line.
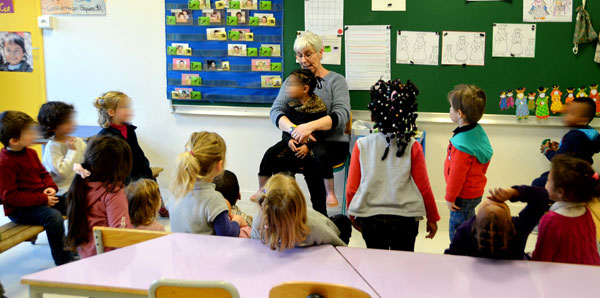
[(417, 47), (332, 48), (514, 40), (547, 10), (463, 48), (15, 52), (324, 17), (7, 6), (79, 7)]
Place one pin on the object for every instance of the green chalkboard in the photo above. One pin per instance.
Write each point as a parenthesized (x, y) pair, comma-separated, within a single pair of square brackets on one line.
[(554, 62)]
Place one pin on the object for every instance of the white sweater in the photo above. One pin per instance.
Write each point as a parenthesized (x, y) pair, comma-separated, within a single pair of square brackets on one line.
[(58, 161)]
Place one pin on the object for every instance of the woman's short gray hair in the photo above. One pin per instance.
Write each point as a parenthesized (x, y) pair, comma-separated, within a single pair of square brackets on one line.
[(308, 39)]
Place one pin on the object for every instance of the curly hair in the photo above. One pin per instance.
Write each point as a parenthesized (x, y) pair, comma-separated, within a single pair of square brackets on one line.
[(393, 107), (52, 114)]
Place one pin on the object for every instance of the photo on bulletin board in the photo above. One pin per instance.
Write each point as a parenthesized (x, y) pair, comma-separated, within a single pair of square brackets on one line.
[(236, 49), (15, 51), (514, 40), (270, 81), (212, 64), (183, 93), (239, 14), (215, 16), (274, 49), (202, 4), (219, 4), (261, 64), (189, 79), (216, 34), (242, 34), (182, 16), (225, 65), (463, 48), (547, 11), (249, 4), (263, 18), (181, 64), (182, 49)]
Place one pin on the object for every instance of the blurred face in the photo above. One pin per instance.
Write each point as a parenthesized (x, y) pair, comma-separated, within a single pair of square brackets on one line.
[(575, 114), (295, 88), (13, 53), (310, 59), (123, 112), (28, 137), (65, 128)]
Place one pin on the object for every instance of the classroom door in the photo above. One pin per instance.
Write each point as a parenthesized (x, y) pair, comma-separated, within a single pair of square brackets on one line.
[(24, 91)]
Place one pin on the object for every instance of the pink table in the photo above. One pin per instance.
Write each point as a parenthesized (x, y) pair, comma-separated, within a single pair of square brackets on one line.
[(402, 274), (248, 264)]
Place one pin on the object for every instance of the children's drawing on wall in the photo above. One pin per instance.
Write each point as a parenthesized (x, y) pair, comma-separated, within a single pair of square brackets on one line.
[(547, 10), (15, 51), (514, 40), (416, 47), (463, 48), (556, 97), (522, 111), (541, 103)]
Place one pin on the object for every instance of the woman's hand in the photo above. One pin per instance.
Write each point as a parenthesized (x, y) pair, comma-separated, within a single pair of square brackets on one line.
[(302, 132), (302, 151)]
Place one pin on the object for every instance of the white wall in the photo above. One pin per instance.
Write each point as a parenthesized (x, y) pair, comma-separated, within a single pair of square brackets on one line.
[(125, 51)]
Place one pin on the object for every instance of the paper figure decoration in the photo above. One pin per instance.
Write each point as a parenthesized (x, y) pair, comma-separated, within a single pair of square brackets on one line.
[(539, 9), (581, 92), (503, 105), (560, 7), (556, 97), (542, 111), (596, 97), (521, 103), (510, 100), (531, 101), (570, 95)]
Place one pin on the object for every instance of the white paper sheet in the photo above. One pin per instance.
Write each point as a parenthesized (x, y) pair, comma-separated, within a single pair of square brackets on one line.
[(388, 5), (332, 49), (514, 40), (463, 48), (417, 47), (367, 55), (324, 17), (547, 10)]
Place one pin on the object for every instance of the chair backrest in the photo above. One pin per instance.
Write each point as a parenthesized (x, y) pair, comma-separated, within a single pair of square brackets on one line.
[(171, 288), (299, 289), (116, 237)]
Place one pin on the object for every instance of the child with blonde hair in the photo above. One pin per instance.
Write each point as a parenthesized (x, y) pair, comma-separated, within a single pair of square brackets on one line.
[(114, 116), (144, 201), (284, 222), (197, 207)]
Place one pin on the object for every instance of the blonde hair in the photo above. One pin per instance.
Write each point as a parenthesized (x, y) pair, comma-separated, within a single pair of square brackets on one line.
[(470, 100), (144, 200), (283, 209), (202, 153), (308, 39), (109, 100)]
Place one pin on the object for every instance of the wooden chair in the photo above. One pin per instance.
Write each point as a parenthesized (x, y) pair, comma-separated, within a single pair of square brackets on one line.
[(171, 288), (116, 237), (300, 289)]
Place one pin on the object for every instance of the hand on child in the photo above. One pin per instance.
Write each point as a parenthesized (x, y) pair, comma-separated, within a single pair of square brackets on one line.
[(452, 206), (52, 200), (302, 151), (502, 194), (302, 132), (71, 144), (292, 144), (431, 229), (240, 220), (49, 191)]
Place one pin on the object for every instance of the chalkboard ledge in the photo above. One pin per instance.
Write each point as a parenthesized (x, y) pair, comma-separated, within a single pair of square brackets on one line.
[(488, 119)]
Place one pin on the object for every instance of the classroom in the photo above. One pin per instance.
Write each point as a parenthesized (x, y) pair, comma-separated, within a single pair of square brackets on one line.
[(162, 133)]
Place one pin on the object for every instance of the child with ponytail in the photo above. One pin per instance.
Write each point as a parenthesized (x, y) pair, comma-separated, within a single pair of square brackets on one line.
[(197, 207), (97, 195)]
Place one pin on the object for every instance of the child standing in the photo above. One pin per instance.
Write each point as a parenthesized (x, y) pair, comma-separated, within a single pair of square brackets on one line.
[(26, 189), (114, 116), (567, 234), (582, 141), (468, 155), (144, 201), (62, 151), (284, 222), (305, 107), (13, 46), (389, 193), (197, 206), (97, 196)]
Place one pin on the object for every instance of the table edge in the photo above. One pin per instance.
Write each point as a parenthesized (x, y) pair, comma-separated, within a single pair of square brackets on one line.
[(36, 283)]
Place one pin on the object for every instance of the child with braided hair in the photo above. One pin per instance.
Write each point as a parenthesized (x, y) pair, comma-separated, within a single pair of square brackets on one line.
[(387, 194)]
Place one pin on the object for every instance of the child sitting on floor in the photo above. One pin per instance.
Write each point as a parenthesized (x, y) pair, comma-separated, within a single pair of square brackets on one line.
[(144, 201)]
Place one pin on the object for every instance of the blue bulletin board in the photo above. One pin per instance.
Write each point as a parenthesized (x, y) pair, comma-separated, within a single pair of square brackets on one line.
[(224, 52)]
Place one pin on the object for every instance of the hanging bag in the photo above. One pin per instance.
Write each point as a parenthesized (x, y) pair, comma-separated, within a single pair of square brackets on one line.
[(584, 32)]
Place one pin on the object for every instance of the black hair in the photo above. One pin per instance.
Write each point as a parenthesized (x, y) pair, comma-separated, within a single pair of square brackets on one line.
[(227, 184), (590, 112), (17, 39), (307, 78), (53, 114), (12, 123), (393, 107)]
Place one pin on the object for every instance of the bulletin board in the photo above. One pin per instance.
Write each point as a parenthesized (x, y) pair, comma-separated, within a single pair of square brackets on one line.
[(227, 53)]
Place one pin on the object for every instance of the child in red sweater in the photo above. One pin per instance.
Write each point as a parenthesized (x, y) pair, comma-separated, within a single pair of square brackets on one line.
[(26, 189), (567, 233), (469, 155)]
